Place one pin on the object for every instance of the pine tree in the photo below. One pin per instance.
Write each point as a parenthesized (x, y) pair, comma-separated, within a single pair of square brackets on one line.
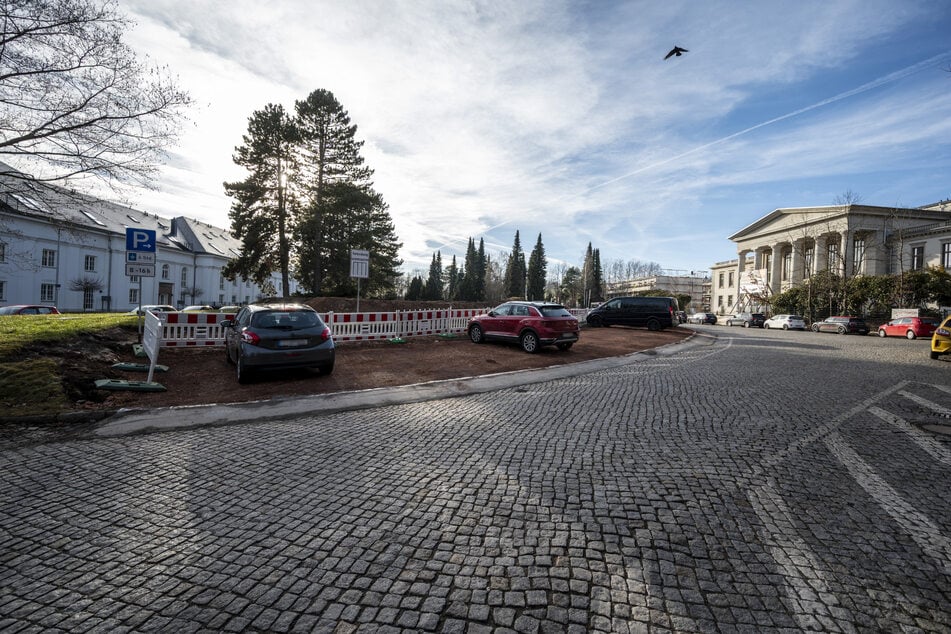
[(261, 214), (469, 284), (515, 270), (433, 288), (415, 291), (537, 272), (451, 281), (482, 267)]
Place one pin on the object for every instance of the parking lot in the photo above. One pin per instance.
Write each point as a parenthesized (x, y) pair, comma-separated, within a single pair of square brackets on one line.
[(751, 481)]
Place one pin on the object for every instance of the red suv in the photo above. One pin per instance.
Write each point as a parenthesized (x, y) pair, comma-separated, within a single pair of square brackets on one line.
[(530, 324), (909, 327)]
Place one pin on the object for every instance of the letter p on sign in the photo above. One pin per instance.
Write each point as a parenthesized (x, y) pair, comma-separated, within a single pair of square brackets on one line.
[(140, 240)]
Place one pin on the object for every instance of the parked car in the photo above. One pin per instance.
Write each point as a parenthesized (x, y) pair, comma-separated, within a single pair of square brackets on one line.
[(656, 313), (702, 318), (29, 309), (908, 327), (229, 309), (530, 324), (199, 308), (786, 322), (153, 308), (841, 325), (746, 320), (278, 337), (941, 339)]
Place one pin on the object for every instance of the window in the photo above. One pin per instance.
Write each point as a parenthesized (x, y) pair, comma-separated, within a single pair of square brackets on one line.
[(133, 297), (731, 279), (721, 280), (133, 279), (945, 256), (184, 276), (808, 256), (858, 255), (3, 252), (729, 300), (49, 258), (787, 266), (165, 272), (3, 291), (88, 299), (832, 251), (917, 258), (221, 282), (47, 293), (768, 265), (89, 263)]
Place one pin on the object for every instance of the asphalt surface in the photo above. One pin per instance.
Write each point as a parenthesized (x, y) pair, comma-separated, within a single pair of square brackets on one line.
[(746, 482)]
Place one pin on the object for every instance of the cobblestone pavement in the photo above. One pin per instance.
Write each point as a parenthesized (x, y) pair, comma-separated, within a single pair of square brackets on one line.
[(761, 481)]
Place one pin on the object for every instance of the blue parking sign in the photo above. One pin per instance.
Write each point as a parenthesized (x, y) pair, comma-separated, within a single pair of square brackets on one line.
[(140, 240)]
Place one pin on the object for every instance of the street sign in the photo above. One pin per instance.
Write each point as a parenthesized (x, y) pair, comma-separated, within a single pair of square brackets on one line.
[(142, 270), (138, 257), (140, 240), (359, 263)]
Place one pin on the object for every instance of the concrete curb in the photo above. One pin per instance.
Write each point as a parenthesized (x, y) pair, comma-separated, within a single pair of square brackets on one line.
[(133, 421)]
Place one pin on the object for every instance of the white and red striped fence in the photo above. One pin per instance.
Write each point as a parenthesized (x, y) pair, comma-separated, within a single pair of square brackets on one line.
[(204, 329)]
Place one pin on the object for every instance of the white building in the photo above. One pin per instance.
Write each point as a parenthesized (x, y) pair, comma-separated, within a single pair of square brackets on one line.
[(69, 250), (696, 285), (787, 246)]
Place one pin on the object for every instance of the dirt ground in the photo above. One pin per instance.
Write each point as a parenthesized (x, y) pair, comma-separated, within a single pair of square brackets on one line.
[(201, 376)]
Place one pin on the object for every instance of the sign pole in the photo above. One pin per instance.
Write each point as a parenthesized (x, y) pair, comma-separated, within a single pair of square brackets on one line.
[(358, 294)]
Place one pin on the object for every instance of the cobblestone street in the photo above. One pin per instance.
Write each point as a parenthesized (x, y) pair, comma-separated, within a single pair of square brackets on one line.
[(755, 481)]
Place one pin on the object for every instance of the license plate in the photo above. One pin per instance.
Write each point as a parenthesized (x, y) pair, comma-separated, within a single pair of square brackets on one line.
[(291, 343)]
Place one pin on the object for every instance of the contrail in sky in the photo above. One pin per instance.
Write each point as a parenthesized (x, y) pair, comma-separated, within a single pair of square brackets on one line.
[(881, 81)]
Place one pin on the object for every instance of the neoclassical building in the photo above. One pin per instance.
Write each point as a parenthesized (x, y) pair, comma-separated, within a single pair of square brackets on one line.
[(68, 250), (789, 245)]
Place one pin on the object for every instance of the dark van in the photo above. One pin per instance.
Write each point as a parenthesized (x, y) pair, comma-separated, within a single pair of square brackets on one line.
[(656, 313)]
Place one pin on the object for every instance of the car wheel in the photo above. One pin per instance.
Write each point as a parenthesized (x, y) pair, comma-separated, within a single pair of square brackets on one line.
[(815, 328), (934, 355), (882, 333), (475, 334), (746, 324), (595, 322), (564, 346), (653, 324), (841, 330), (910, 334), (766, 326), (529, 341), (244, 375), (785, 326)]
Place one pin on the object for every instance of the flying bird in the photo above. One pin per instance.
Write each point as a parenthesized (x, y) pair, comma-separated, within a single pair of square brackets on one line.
[(676, 51)]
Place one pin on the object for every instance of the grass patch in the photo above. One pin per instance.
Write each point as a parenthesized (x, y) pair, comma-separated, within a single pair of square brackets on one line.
[(20, 331), (32, 383), (32, 387)]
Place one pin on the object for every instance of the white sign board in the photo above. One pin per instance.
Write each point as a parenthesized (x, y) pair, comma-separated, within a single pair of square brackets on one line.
[(151, 339), (359, 263), (142, 270)]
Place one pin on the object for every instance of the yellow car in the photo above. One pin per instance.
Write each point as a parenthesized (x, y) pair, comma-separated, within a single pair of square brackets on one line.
[(941, 339)]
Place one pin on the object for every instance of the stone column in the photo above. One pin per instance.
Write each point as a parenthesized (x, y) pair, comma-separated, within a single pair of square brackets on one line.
[(844, 255), (776, 275)]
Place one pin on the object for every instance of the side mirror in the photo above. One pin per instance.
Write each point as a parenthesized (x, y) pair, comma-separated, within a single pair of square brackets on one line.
[(226, 323), (492, 313)]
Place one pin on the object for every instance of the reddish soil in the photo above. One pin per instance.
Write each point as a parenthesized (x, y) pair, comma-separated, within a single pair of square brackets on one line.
[(198, 376)]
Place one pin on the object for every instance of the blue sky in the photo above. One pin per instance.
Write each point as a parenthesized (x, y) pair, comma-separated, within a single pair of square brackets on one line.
[(563, 118)]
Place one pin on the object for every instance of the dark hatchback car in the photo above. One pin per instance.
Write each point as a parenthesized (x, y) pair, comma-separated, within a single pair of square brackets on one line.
[(842, 325), (531, 325), (747, 320), (278, 337)]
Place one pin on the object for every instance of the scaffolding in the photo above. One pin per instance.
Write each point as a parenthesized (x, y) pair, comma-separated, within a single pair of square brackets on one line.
[(754, 293)]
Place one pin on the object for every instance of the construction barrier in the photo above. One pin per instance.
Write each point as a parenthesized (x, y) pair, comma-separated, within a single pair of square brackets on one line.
[(204, 329)]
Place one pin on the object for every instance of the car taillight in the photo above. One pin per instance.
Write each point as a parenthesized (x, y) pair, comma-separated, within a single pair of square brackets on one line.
[(325, 335), (250, 337)]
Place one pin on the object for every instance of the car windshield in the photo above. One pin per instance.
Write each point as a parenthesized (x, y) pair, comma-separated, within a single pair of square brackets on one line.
[(288, 320), (554, 311), (799, 317)]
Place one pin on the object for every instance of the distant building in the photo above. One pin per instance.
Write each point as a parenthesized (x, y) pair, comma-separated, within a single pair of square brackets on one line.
[(787, 246), (696, 285), (69, 250)]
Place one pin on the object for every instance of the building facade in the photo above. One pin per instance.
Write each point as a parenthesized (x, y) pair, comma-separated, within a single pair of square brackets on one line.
[(68, 250), (787, 246)]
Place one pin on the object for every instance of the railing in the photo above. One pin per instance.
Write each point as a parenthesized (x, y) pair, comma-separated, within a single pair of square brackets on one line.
[(204, 329)]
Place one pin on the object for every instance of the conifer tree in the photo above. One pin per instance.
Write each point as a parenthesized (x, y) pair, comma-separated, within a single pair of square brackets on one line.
[(537, 272), (515, 270), (433, 289)]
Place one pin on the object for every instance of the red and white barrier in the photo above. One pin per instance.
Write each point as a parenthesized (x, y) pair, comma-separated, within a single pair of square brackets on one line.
[(203, 329)]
